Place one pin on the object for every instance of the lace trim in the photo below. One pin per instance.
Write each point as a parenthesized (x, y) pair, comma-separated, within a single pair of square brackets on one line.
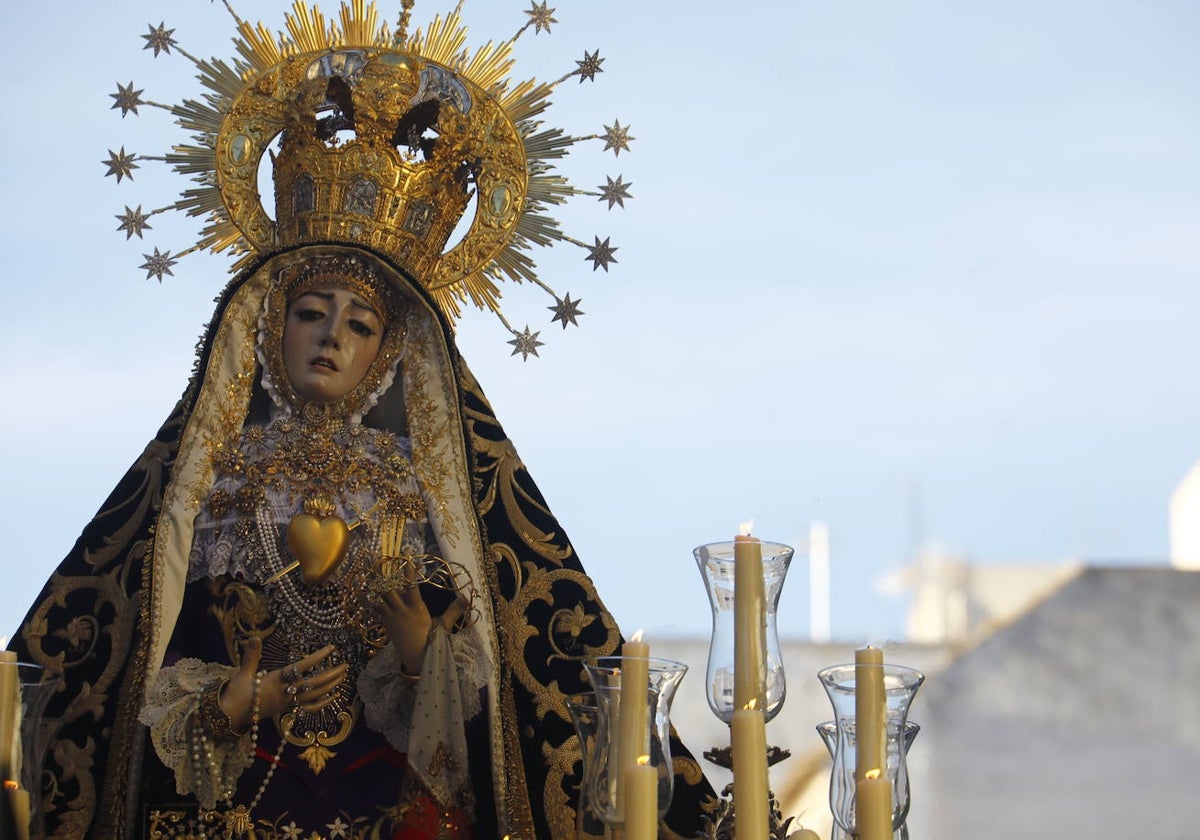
[(219, 544), (170, 711), (388, 698)]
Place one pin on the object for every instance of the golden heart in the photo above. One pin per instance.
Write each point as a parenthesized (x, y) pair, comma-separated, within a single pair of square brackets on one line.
[(318, 544)]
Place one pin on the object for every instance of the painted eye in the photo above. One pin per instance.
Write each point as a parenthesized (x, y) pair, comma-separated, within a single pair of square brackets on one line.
[(361, 328), (309, 314)]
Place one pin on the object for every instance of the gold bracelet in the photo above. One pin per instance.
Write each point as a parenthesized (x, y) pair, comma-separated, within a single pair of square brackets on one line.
[(211, 717)]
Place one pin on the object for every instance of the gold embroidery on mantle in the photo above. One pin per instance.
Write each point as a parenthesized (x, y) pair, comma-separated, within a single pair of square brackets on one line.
[(500, 484), (432, 456), (443, 759), (79, 641), (228, 410)]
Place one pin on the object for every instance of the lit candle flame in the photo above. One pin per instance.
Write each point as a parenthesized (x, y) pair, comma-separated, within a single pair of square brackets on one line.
[(746, 527), (637, 637), (9, 784), (643, 760), (752, 704), (873, 774)]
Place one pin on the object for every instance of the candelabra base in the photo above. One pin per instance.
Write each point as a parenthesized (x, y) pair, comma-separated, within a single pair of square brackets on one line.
[(723, 756), (721, 823)]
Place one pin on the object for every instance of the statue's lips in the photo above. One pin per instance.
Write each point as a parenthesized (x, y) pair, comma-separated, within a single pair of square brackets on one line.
[(323, 362)]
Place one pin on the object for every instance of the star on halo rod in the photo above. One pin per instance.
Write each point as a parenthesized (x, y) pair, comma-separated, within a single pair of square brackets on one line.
[(309, 35)]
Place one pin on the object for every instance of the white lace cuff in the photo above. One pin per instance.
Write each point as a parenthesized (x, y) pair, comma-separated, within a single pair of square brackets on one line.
[(206, 767), (388, 697)]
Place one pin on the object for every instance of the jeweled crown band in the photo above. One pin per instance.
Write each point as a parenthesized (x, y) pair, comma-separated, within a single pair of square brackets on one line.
[(347, 272)]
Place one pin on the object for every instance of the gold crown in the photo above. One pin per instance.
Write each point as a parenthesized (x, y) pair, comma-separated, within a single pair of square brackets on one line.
[(384, 140), (391, 186)]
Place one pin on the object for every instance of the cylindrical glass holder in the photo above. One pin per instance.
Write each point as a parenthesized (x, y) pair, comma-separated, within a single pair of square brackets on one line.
[(716, 564), (900, 687), (828, 732), (605, 673), (585, 715)]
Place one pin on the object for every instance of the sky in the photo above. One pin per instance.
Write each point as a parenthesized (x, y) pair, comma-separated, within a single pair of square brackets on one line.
[(923, 271)]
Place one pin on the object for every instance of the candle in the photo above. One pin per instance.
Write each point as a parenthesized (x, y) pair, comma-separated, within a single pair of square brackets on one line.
[(633, 722), (10, 754), (749, 624), (870, 712), (10, 716), (873, 807), (641, 800), (18, 808), (750, 786)]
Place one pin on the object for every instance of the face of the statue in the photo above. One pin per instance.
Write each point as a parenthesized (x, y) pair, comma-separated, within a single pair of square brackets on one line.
[(330, 338)]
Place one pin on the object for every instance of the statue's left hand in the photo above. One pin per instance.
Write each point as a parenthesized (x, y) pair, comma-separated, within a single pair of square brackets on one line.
[(408, 622)]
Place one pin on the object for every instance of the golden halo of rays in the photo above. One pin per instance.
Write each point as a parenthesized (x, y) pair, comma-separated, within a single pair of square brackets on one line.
[(359, 25)]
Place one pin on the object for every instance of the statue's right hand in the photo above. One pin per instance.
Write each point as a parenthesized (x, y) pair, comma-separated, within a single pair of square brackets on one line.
[(305, 683)]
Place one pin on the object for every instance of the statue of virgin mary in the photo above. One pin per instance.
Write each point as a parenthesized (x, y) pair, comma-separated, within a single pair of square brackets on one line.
[(327, 600)]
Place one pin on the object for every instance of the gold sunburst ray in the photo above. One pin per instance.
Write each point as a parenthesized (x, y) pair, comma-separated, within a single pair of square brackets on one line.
[(552, 189), (310, 33), (257, 46), (217, 103), (483, 293), (221, 79), (205, 140), (197, 201), (516, 265), (192, 160), (361, 25), (536, 205), (233, 14), (178, 255), (454, 303), (198, 117), (445, 300), (476, 288), (544, 286), (526, 100), (218, 235), (443, 41), (539, 228), (490, 66), (550, 144)]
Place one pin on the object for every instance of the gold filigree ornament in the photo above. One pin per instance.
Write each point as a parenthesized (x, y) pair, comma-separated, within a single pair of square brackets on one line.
[(382, 139), (399, 568)]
